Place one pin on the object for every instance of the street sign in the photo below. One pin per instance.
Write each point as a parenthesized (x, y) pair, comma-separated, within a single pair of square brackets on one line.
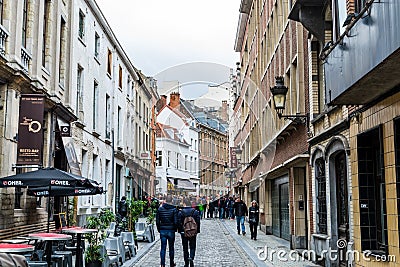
[(65, 130)]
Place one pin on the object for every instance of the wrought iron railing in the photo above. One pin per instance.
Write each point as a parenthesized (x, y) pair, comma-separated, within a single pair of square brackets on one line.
[(25, 59), (3, 37)]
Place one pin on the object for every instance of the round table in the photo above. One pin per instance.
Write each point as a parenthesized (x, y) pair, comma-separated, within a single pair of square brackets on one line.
[(15, 248), (49, 237), (78, 231)]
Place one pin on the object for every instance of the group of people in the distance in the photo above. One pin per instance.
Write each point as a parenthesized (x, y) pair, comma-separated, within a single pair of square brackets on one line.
[(183, 214)]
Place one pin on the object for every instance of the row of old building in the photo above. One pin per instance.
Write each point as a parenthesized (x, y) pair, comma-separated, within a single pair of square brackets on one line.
[(316, 121), (96, 111)]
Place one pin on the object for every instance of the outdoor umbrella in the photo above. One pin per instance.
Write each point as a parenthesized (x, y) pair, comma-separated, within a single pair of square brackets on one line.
[(43, 177), (60, 191), (53, 180)]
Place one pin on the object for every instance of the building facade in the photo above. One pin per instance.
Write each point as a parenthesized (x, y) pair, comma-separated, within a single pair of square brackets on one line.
[(353, 103), (65, 53), (274, 167), (178, 161)]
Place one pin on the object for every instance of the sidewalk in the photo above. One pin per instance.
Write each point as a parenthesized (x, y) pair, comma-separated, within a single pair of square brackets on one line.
[(267, 250), (144, 248)]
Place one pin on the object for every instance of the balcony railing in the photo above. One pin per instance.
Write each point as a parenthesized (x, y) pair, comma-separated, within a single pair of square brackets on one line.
[(3, 37), (25, 59)]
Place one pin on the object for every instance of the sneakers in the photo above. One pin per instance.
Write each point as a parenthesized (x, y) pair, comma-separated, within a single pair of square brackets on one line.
[(244, 233), (191, 263)]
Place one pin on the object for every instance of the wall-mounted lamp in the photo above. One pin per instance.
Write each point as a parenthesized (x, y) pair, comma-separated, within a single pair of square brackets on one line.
[(279, 97)]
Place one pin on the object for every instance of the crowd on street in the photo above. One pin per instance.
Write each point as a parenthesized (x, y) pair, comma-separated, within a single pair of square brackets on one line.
[(183, 214)]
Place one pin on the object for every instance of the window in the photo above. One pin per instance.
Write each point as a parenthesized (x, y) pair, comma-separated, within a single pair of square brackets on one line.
[(177, 160), (120, 77), (128, 87), (159, 158), (372, 192), (45, 29), (96, 45), (109, 62), (81, 32), (95, 104), (397, 155), (321, 196), (108, 116), (168, 159), (119, 124), (186, 162), (62, 56), (79, 89), (24, 23)]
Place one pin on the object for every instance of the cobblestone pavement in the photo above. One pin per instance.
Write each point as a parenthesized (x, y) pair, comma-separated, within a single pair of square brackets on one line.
[(215, 247), (266, 247)]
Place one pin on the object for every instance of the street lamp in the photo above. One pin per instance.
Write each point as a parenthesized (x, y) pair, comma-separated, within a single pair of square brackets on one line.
[(279, 92)]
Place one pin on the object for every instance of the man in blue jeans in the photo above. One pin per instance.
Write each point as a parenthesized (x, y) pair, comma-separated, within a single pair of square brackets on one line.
[(167, 224), (240, 209)]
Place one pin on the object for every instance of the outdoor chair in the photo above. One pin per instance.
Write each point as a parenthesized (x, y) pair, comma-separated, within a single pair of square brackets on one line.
[(37, 263), (129, 241), (111, 229), (111, 253), (67, 257)]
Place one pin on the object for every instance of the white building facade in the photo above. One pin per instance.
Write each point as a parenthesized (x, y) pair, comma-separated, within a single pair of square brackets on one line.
[(185, 160)]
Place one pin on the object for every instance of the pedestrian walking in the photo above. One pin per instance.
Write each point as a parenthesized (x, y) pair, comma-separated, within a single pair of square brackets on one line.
[(240, 209), (167, 225), (254, 217), (189, 227), (122, 207), (221, 207)]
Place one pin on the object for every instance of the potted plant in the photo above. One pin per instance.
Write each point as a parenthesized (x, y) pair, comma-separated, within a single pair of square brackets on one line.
[(93, 254), (135, 209)]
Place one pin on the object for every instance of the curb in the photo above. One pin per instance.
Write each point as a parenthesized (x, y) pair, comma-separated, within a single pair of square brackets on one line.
[(140, 254), (246, 248)]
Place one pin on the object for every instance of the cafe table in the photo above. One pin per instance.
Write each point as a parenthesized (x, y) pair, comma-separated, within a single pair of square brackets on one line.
[(49, 238), (78, 231), (15, 248)]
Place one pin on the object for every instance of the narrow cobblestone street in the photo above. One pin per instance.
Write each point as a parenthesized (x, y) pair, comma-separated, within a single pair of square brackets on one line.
[(215, 247), (218, 244)]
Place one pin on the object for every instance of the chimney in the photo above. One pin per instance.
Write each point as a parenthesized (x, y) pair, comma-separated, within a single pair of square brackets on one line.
[(174, 100), (161, 102), (224, 110)]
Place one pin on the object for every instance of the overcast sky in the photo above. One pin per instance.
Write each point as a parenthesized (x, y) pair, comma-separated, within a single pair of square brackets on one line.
[(159, 34)]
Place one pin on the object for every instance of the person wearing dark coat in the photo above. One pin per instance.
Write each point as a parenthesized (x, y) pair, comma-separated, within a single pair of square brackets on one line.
[(240, 209), (254, 217), (167, 225), (123, 207), (188, 243)]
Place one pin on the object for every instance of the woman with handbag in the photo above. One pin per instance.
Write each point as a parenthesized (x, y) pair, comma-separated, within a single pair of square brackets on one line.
[(254, 216)]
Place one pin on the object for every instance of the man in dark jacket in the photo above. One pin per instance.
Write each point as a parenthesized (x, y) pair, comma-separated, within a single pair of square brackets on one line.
[(254, 217), (190, 243), (123, 207), (167, 224), (240, 209)]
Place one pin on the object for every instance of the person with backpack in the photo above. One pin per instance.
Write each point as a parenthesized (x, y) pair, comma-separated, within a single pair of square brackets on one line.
[(167, 224), (189, 227)]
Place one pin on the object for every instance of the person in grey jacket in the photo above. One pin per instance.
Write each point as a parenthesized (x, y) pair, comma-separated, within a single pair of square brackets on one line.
[(167, 225)]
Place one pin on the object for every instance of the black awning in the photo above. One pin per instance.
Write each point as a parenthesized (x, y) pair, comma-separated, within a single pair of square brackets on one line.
[(310, 14)]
